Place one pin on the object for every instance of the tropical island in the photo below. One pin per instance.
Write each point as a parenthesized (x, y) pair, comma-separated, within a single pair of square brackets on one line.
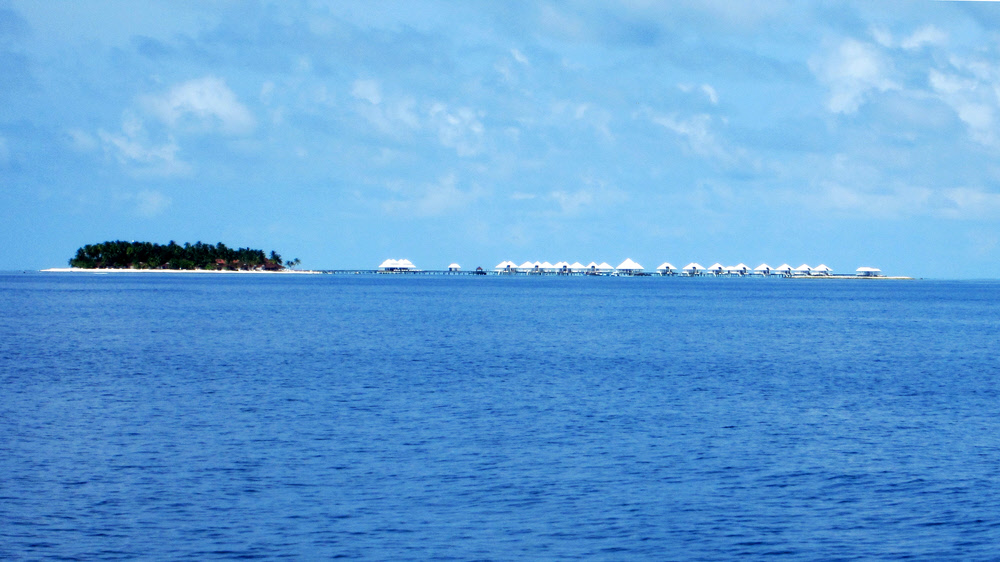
[(119, 254)]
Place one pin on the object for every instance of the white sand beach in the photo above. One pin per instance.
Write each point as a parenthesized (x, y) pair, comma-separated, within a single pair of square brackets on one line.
[(206, 271)]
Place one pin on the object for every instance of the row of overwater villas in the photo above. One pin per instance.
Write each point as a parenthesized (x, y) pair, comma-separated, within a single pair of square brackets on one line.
[(630, 267)]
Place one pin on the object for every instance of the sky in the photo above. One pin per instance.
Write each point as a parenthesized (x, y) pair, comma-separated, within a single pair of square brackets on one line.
[(344, 133)]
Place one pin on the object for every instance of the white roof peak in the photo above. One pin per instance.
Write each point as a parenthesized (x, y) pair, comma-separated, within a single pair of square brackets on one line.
[(628, 264)]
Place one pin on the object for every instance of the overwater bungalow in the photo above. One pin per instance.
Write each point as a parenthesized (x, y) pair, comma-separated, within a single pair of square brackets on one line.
[(628, 267), (397, 265), (666, 269), (693, 269)]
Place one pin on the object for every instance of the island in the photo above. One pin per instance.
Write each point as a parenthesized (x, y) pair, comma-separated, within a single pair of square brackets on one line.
[(119, 254)]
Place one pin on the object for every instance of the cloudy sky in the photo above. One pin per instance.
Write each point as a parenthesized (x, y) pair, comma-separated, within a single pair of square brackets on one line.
[(344, 133)]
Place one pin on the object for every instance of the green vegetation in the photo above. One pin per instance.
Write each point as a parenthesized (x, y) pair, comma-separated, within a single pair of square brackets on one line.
[(147, 255)]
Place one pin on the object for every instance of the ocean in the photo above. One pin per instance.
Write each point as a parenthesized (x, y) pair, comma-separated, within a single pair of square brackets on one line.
[(395, 417)]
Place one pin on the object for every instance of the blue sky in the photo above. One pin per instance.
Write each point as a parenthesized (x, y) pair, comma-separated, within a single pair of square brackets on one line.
[(344, 133)]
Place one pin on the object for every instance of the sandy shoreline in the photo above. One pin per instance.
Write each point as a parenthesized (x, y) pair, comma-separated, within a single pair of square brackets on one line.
[(209, 271)]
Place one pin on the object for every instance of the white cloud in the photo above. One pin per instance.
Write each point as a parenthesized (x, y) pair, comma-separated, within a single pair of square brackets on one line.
[(205, 103), (897, 202), (710, 92), (149, 203), (388, 116), (927, 35), (902, 201), (852, 72), (595, 117), (459, 128), (697, 135), (456, 128), (435, 199), (968, 203), (81, 140), (133, 150), (974, 100), (706, 89), (694, 129), (506, 65), (571, 202), (595, 194), (882, 36), (367, 90)]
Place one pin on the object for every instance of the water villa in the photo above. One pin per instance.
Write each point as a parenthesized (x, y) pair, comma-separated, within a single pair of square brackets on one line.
[(631, 268), (394, 266)]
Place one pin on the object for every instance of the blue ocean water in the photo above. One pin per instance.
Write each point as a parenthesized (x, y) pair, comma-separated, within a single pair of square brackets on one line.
[(491, 418)]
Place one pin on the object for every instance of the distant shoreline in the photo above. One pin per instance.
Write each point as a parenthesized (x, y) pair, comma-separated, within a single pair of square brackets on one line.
[(209, 271), (422, 272)]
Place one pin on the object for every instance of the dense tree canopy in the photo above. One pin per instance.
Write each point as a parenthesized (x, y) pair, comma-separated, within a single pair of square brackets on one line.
[(147, 255)]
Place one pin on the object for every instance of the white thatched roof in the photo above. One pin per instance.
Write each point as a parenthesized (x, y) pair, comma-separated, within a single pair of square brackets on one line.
[(546, 265), (868, 270), (762, 267), (784, 267), (577, 266), (605, 266), (397, 264), (803, 268), (693, 267), (526, 266), (454, 266), (716, 267), (822, 268), (665, 266), (628, 265)]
